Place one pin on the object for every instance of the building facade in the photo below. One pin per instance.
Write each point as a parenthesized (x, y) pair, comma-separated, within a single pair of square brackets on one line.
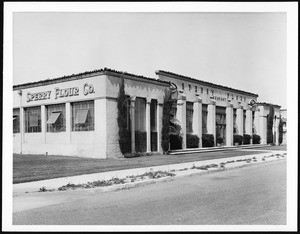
[(76, 115)]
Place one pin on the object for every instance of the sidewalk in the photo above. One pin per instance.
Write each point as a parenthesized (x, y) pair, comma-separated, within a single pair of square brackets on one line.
[(185, 161)]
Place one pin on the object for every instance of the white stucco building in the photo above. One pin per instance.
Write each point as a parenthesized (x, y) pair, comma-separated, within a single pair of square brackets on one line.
[(76, 115)]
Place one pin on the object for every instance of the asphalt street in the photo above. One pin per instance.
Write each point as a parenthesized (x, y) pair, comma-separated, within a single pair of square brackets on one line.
[(249, 195)]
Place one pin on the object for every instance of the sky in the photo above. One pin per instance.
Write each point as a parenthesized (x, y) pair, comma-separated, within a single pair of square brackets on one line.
[(246, 51)]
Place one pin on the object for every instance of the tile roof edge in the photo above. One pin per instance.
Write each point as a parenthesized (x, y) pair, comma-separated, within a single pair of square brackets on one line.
[(205, 82), (81, 75), (267, 104)]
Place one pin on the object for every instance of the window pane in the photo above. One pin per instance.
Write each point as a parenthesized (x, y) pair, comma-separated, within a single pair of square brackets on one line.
[(153, 111), (16, 120), (189, 117), (33, 119), (140, 114), (56, 120), (83, 116), (53, 118)]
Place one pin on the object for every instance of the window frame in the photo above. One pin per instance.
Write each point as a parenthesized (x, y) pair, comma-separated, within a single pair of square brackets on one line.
[(89, 124)]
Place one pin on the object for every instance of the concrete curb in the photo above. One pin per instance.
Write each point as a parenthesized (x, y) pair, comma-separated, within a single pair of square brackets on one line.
[(165, 179)]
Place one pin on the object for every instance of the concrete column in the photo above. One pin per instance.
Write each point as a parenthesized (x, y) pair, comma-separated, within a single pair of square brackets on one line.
[(256, 122), (132, 105), (197, 119), (159, 125), (249, 121), (148, 129), (239, 120), (68, 122), (181, 116), (211, 119), (229, 125), (277, 131), (43, 123), (262, 125)]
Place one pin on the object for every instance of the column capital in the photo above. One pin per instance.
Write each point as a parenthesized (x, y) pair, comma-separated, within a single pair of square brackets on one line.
[(229, 105), (247, 107), (198, 99), (211, 102), (148, 100), (182, 97), (238, 106), (132, 99)]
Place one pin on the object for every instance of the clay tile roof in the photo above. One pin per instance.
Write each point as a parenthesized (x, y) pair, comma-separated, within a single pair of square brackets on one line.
[(83, 75), (203, 82), (267, 104)]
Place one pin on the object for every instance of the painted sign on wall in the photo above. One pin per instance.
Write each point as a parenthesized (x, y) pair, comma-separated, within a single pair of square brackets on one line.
[(60, 93)]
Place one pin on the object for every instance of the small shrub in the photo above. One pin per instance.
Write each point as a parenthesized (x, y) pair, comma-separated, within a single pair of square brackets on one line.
[(247, 139), (280, 130), (134, 155), (43, 189), (192, 141), (175, 142), (208, 140), (238, 139), (256, 139), (219, 140)]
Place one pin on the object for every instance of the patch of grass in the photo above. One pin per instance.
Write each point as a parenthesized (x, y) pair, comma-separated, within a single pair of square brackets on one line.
[(115, 180), (44, 189), (232, 161), (184, 169)]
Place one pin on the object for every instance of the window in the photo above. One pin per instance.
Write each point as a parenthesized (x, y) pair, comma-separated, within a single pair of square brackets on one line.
[(207, 91), (212, 93), (83, 116), (244, 121), (244, 99), (127, 114), (153, 114), (221, 122), (33, 119), (201, 90), (253, 125), (182, 86), (16, 120), (140, 114), (189, 117), (204, 118), (241, 98), (232, 96), (234, 122), (227, 95), (190, 87), (56, 118), (237, 98), (196, 89)]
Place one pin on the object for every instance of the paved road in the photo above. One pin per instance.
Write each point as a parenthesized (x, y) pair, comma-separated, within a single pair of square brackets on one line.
[(249, 195)]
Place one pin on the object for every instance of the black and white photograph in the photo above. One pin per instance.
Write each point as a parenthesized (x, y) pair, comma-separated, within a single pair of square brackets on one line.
[(150, 116)]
